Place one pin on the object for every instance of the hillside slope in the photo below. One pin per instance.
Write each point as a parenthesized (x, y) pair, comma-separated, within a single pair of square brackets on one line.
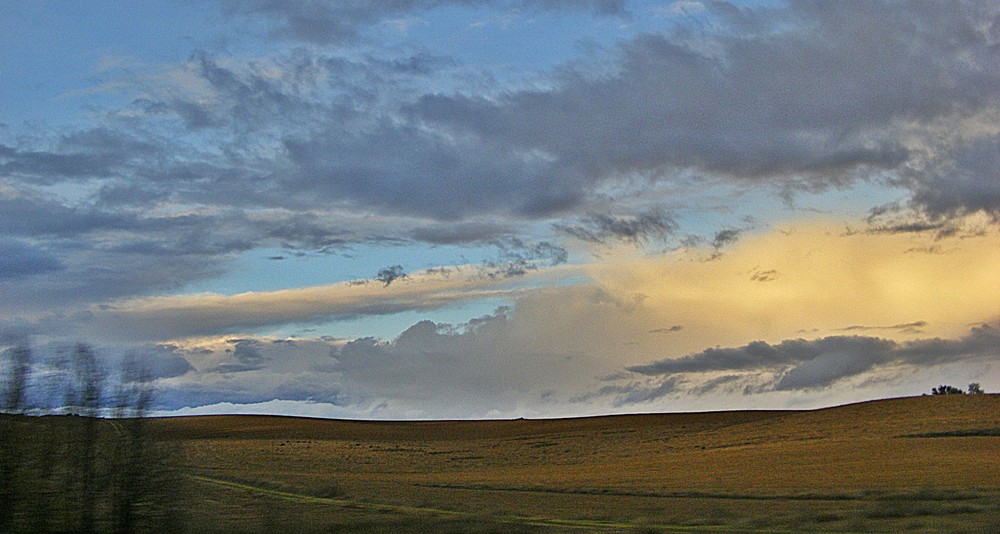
[(672, 468)]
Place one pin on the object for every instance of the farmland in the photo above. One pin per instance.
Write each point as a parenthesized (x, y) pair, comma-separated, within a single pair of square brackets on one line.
[(923, 463)]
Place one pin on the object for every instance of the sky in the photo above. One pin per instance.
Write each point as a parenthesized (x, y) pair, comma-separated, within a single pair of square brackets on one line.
[(437, 209)]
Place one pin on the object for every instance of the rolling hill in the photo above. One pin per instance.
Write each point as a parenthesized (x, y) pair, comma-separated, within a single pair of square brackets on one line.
[(924, 463)]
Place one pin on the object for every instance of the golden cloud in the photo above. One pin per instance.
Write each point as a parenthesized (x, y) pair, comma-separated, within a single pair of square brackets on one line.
[(810, 280)]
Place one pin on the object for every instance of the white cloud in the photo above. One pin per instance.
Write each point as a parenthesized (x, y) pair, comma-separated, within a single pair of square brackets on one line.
[(164, 318), (679, 8)]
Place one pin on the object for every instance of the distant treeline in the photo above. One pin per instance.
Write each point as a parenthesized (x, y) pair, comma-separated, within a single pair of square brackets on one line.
[(91, 465)]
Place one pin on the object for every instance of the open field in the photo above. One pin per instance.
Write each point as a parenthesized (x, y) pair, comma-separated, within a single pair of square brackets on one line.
[(924, 463)]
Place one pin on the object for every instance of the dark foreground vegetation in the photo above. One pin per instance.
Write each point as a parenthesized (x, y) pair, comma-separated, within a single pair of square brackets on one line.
[(88, 464)]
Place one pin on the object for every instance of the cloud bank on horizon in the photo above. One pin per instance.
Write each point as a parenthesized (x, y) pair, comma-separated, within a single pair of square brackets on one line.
[(505, 208)]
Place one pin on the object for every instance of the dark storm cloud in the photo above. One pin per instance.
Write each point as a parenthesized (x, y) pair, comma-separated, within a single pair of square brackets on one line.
[(332, 119), (305, 232), (758, 355), (635, 229), (99, 253), (153, 362), (725, 382), (968, 183), (247, 356), (769, 275), (167, 366), (105, 253), (341, 22), (806, 364), (400, 168), (246, 351), (251, 386), (169, 188), (323, 22), (826, 368), (248, 370), (722, 239), (342, 138), (726, 237), (426, 352), (604, 7), (982, 341), (636, 392), (667, 330), (459, 233), (20, 260), (515, 257), (810, 92), (481, 365), (893, 218), (33, 216), (388, 275), (247, 99), (914, 327), (912, 227), (91, 153), (235, 367), (249, 96)]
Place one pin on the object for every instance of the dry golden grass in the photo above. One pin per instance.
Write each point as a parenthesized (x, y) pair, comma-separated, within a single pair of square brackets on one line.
[(923, 463)]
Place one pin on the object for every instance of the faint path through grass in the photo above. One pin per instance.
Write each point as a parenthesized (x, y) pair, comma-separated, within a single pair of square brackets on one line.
[(660, 495), (574, 524)]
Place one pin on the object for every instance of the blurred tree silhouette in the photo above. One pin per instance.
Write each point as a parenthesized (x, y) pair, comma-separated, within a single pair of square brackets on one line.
[(91, 464), (11, 445)]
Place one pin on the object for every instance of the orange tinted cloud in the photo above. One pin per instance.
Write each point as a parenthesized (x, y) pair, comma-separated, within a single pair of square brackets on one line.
[(810, 280)]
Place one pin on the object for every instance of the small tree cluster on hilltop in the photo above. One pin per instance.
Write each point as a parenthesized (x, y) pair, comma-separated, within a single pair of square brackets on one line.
[(90, 464), (974, 389)]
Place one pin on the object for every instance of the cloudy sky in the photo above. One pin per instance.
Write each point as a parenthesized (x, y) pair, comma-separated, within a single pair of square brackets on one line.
[(504, 208)]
